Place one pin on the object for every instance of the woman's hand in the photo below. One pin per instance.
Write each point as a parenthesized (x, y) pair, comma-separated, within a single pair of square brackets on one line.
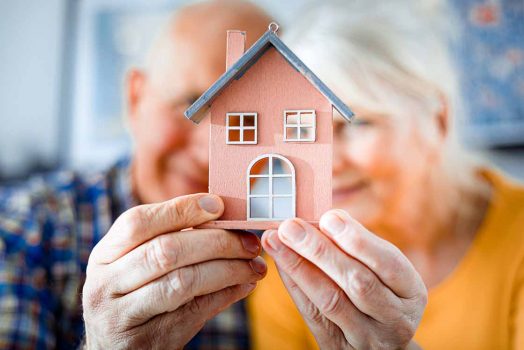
[(354, 289)]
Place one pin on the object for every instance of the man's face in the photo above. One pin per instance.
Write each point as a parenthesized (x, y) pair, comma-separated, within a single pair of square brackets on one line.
[(171, 155)]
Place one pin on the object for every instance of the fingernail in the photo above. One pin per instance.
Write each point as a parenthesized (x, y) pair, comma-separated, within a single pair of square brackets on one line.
[(249, 287), (333, 223), (272, 240), (258, 265), (250, 243), (293, 231), (211, 204)]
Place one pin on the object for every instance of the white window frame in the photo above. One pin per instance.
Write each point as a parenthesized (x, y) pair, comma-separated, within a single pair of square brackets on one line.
[(270, 194), (299, 124), (241, 128)]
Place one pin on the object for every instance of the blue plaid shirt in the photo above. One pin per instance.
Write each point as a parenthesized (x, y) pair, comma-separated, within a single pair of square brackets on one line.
[(48, 228)]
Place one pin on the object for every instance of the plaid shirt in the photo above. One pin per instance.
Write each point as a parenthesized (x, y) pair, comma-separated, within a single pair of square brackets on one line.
[(48, 228)]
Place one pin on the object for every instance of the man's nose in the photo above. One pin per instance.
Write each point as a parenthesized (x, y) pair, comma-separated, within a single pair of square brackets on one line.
[(197, 134), (183, 133)]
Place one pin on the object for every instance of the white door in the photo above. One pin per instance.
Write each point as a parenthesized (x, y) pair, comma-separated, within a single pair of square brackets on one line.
[(271, 189)]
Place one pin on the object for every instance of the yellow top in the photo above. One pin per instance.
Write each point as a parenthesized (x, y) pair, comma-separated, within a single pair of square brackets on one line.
[(480, 305)]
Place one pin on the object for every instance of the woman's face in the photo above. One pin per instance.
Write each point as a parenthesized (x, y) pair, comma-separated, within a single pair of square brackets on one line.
[(381, 166)]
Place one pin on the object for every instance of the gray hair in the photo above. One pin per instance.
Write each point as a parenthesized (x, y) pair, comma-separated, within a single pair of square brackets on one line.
[(393, 57)]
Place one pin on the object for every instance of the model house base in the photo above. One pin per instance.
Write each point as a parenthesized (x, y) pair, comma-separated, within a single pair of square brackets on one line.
[(246, 225)]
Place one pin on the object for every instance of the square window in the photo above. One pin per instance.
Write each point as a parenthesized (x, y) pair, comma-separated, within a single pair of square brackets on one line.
[(291, 117), (282, 207), (259, 185), (307, 133), (249, 120), (233, 135), (249, 135), (307, 118), (291, 133), (241, 128), (300, 125), (259, 208), (282, 185), (234, 120)]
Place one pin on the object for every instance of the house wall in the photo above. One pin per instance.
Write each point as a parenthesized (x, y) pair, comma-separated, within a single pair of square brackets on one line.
[(271, 86)]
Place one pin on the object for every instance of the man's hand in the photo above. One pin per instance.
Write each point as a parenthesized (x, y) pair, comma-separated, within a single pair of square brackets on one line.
[(151, 285), (354, 289)]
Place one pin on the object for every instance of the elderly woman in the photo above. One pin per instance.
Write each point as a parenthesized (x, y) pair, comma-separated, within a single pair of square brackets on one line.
[(400, 172)]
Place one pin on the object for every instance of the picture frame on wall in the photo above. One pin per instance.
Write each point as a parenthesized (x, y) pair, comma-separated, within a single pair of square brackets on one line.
[(490, 58)]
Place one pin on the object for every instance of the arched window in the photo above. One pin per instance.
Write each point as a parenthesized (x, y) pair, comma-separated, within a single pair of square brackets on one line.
[(270, 188)]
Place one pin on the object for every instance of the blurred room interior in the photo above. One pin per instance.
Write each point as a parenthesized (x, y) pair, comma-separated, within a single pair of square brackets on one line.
[(62, 64)]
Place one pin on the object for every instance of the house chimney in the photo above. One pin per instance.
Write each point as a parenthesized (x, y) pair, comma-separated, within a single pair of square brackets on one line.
[(236, 41)]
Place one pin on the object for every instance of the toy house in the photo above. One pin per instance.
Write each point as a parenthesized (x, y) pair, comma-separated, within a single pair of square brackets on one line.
[(271, 135)]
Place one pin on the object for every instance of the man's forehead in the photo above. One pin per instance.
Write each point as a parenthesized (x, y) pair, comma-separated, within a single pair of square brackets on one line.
[(193, 49)]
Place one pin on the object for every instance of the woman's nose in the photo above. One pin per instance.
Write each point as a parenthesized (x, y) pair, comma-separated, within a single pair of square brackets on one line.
[(340, 161)]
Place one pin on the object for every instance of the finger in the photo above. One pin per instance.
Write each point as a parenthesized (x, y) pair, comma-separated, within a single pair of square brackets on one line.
[(327, 334), (360, 284), (323, 292), (178, 327), (171, 251), (382, 257), (141, 223), (176, 288)]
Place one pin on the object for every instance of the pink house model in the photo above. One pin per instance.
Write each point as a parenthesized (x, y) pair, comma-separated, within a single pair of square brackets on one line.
[(271, 135)]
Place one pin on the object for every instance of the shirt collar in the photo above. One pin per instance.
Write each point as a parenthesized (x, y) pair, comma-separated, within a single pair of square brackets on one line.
[(123, 197)]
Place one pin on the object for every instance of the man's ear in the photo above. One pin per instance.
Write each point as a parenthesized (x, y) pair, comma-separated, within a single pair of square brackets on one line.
[(443, 118), (135, 83)]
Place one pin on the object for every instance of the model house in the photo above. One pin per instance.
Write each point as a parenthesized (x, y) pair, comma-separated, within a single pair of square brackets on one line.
[(271, 135)]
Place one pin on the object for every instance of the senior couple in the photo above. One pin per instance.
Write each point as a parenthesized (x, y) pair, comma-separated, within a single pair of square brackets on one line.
[(426, 248)]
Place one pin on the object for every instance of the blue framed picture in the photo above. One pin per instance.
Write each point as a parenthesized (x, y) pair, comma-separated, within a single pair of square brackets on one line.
[(491, 61)]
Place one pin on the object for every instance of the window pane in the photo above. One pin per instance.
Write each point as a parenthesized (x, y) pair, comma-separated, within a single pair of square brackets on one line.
[(280, 166), (260, 167), (282, 208), (249, 135), (249, 120), (259, 208), (307, 118), (282, 185), (307, 133), (259, 185), (291, 133), (234, 135), (291, 117), (234, 120)]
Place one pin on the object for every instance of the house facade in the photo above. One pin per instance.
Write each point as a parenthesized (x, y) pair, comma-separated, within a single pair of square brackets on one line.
[(270, 135)]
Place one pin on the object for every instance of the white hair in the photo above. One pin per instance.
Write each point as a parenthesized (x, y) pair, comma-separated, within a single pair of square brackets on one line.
[(393, 57)]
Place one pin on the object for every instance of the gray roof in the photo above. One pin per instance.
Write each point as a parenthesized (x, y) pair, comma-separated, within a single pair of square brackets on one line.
[(198, 109)]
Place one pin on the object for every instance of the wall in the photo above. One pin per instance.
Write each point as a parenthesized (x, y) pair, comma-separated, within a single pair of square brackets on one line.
[(31, 50), (511, 161)]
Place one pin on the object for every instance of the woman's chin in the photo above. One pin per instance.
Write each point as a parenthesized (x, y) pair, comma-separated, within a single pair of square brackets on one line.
[(362, 210)]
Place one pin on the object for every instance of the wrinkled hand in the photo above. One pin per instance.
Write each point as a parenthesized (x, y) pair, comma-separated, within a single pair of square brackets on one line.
[(354, 289), (150, 285)]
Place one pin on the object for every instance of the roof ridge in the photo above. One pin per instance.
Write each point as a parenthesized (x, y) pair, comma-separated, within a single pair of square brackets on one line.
[(197, 111)]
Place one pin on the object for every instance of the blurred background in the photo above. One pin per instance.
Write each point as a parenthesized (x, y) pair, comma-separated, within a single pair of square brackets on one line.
[(62, 65)]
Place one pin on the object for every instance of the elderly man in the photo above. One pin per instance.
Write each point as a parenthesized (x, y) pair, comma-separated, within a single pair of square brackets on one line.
[(147, 284)]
